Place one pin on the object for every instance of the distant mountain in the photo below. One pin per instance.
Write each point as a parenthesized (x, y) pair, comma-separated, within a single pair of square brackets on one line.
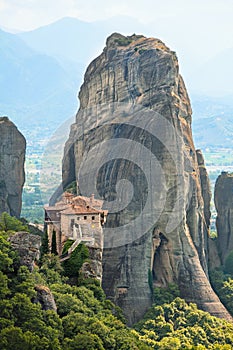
[(215, 131), (76, 40), (67, 38), (205, 106), (215, 76), (212, 121), (35, 85), (62, 51)]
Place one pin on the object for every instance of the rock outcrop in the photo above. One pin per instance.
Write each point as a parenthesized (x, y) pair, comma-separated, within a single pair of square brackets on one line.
[(12, 156), (93, 268), (45, 298), (211, 251), (27, 246), (223, 198), (205, 187), (132, 146)]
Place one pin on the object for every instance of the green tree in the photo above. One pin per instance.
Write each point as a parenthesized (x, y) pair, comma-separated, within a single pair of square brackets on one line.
[(226, 294), (10, 223), (44, 249), (51, 269), (85, 341), (179, 325), (228, 266), (8, 256), (170, 343), (24, 282), (54, 244), (4, 290), (165, 295), (74, 263)]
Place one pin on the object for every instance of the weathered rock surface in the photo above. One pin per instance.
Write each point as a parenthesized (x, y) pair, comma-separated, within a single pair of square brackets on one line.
[(45, 298), (223, 198), (27, 246), (211, 251), (12, 156), (93, 268), (133, 92), (205, 186)]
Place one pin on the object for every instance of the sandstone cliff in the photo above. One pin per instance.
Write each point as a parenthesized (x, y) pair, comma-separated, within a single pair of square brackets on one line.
[(223, 198), (12, 156), (132, 146), (27, 246)]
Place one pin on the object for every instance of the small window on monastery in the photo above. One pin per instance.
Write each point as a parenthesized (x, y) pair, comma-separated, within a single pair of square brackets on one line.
[(78, 218), (72, 222), (85, 217), (93, 218)]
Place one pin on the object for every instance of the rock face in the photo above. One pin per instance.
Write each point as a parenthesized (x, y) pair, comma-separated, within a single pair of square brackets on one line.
[(45, 298), (205, 186), (27, 246), (132, 146), (12, 156), (93, 268), (223, 198)]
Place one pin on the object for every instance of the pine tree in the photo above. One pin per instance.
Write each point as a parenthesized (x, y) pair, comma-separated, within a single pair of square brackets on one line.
[(44, 249), (54, 244)]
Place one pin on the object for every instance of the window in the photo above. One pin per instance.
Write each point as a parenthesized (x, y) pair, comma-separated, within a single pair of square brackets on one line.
[(72, 222), (93, 218), (85, 217), (78, 218)]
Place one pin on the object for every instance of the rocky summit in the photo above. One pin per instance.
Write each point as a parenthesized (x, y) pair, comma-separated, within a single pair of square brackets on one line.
[(12, 156), (132, 146)]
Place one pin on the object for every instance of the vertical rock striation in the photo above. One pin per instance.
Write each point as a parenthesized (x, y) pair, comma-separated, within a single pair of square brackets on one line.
[(223, 198), (132, 139), (12, 156)]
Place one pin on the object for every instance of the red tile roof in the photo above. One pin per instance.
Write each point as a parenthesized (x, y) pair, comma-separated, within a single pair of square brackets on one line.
[(80, 209)]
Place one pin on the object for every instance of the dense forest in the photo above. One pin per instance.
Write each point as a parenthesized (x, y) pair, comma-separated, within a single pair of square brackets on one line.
[(85, 319)]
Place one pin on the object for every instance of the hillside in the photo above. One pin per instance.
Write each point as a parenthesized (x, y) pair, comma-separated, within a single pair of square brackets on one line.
[(214, 132), (40, 309)]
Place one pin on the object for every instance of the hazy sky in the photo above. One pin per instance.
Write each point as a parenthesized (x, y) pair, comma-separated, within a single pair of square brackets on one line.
[(28, 14), (204, 21), (198, 29), (207, 22)]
